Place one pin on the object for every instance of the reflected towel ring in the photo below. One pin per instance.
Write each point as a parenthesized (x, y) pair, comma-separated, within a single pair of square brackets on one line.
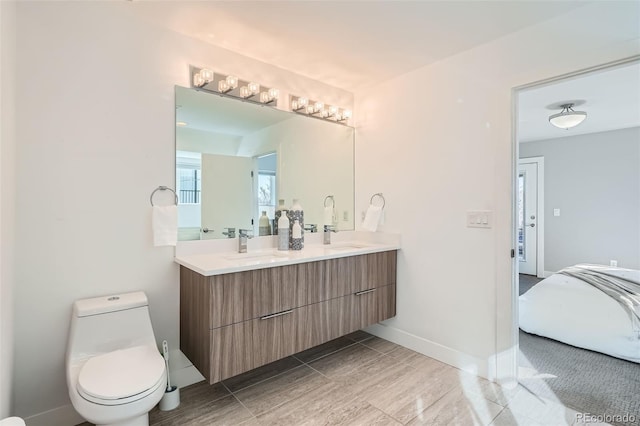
[(378, 194), (163, 188), (333, 201)]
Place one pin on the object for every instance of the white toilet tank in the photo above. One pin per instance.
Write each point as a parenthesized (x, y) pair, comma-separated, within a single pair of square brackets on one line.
[(105, 324)]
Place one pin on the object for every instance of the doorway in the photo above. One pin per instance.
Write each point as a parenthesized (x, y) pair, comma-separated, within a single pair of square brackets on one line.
[(530, 209)]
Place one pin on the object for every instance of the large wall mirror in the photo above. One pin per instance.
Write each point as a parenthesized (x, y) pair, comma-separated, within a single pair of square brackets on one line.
[(235, 160)]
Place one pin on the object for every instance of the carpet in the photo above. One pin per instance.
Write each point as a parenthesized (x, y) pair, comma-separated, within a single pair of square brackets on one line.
[(586, 381)]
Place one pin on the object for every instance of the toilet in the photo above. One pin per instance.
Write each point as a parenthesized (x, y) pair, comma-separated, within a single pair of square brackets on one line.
[(12, 421), (115, 373)]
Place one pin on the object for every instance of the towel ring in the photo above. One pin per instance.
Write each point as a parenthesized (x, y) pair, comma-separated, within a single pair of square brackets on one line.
[(378, 194), (163, 188), (333, 201)]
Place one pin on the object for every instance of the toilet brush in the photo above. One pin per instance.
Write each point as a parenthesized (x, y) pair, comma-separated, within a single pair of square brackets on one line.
[(165, 353), (171, 398)]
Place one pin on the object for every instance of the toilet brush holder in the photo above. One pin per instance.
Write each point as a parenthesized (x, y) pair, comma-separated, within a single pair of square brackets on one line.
[(170, 399)]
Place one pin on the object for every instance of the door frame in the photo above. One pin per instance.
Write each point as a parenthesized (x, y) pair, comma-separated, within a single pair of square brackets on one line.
[(507, 339), (539, 161)]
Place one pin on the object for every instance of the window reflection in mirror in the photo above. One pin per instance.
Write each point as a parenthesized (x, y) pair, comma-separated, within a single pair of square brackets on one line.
[(235, 160)]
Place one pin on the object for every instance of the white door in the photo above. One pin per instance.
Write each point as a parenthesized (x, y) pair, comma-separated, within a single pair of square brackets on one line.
[(528, 217), (227, 194)]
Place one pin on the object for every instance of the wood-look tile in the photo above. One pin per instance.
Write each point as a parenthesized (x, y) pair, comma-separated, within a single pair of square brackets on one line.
[(329, 404), (224, 411), (411, 394), (359, 336), (489, 390), (509, 418), (191, 397), (418, 360), (281, 389), (458, 408), (375, 376), (325, 349), (380, 345), (529, 405), (345, 360), (259, 374)]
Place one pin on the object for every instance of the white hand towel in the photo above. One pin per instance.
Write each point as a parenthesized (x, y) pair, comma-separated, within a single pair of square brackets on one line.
[(372, 218), (165, 225), (329, 215)]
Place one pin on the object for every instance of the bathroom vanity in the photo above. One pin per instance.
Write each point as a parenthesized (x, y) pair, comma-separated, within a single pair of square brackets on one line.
[(241, 312)]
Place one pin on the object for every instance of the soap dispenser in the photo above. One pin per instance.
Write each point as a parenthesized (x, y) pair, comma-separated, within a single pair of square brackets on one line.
[(296, 214), (283, 231), (277, 215), (296, 236), (264, 224)]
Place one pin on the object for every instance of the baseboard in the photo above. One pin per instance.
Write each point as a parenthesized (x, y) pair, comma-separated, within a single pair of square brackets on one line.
[(453, 357), (61, 416), (184, 374)]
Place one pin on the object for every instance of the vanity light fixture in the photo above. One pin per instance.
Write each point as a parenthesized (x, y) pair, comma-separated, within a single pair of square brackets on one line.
[(567, 118), (232, 86), (319, 109)]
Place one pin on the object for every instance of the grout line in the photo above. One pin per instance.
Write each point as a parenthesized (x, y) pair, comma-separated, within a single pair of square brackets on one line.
[(269, 378), (241, 403)]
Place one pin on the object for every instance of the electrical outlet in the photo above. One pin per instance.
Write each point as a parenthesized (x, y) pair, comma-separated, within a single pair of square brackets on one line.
[(345, 216), (613, 263)]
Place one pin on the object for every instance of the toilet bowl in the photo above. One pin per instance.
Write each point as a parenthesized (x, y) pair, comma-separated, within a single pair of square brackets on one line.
[(115, 373), (12, 421)]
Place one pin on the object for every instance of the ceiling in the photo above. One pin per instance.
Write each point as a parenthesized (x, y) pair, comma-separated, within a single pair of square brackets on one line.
[(349, 44), (612, 101)]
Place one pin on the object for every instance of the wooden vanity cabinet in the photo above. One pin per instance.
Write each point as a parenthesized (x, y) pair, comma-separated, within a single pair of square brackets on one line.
[(232, 323)]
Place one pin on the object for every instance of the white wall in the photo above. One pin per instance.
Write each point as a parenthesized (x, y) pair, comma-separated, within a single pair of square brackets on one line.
[(437, 143), (95, 118), (7, 199), (594, 180)]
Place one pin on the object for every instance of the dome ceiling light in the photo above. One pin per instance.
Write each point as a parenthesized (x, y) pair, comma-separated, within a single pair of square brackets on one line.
[(567, 118)]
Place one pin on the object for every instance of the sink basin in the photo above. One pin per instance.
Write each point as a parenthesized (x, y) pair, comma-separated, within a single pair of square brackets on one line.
[(256, 255), (343, 247)]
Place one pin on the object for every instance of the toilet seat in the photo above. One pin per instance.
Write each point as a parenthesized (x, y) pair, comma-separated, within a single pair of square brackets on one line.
[(121, 376)]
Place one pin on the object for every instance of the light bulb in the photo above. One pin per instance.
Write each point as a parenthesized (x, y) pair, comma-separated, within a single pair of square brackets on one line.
[(310, 109), (245, 92), (198, 81), (333, 111), (254, 88), (303, 102), (223, 86), (232, 81), (274, 93), (318, 106), (207, 75), (264, 97), (294, 105), (346, 114), (324, 113)]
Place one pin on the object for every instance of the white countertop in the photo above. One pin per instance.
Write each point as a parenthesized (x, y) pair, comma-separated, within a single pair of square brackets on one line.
[(215, 257)]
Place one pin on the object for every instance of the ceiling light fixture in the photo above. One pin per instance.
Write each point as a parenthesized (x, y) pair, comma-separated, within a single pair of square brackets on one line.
[(230, 85), (567, 118), (318, 109)]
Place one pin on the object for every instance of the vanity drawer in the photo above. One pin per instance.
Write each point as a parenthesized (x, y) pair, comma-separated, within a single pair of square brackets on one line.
[(366, 307), (242, 296), (375, 270)]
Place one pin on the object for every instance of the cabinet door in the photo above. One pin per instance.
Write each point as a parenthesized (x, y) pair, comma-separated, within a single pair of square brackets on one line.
[(231, 351), (276, 290), (375, 270), (231, 297), (320, 322), (274, 336), (338, 277)]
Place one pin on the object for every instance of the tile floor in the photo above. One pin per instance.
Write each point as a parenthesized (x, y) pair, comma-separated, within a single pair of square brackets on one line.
[(360, 380)]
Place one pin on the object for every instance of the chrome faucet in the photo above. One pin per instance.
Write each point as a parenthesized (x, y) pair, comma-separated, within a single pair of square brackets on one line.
[(230, 233), (243, 236), (328, 229), (311, 227)]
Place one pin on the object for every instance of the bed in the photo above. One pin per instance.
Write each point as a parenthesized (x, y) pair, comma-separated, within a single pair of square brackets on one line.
[(572, 311)]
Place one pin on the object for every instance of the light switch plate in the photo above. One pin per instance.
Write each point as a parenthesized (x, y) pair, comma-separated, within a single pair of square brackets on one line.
[(556, 212), (479, 219)]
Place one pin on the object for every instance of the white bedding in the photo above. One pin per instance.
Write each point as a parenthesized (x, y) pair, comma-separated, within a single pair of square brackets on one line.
[(571, 311)]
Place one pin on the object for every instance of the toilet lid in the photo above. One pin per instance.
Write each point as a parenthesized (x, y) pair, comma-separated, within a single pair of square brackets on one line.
[(122, 373)]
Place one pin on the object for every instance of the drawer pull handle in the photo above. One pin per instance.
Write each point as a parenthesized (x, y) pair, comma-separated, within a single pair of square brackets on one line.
[(277, 314), (360, 293)]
